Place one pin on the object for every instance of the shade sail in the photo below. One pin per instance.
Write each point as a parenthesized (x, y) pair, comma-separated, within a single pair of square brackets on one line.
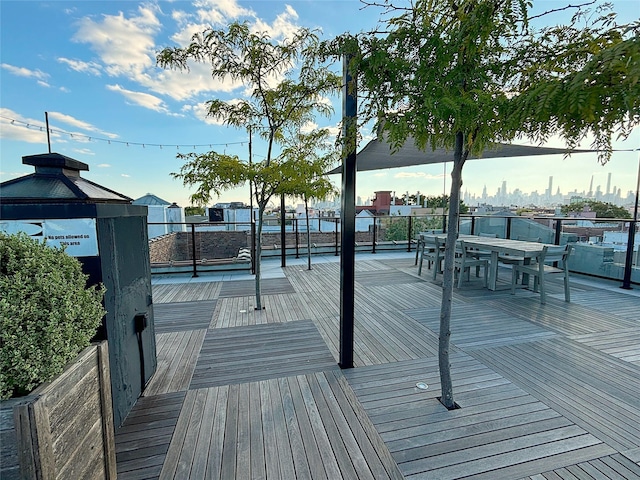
[(378, 155)]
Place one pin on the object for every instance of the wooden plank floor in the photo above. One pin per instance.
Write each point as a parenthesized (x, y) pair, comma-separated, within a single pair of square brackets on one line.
[(181, 316), (546, 391), (501, 432), (304, 426), (259, 352)]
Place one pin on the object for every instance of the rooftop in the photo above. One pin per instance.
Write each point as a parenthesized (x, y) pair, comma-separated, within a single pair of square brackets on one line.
[(546, 391)]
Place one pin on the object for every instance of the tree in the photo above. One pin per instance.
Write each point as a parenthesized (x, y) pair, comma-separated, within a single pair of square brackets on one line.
[(443, 202), (191, 210), (602, 209), (287, 86), (465, 75), (306, 158)]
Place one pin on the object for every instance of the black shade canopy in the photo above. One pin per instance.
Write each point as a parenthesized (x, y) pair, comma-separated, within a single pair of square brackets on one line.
[(378, 155)]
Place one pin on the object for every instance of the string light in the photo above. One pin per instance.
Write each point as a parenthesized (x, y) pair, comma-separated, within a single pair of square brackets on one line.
[(121, 142)]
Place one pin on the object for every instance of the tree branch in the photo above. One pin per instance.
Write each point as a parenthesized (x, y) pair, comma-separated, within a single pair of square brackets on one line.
[(567, 7)]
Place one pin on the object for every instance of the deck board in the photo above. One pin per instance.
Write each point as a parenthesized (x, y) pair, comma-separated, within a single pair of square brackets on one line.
[(180, 316)]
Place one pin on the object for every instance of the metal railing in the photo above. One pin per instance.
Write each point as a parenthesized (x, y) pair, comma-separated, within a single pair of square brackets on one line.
[(610, 244)]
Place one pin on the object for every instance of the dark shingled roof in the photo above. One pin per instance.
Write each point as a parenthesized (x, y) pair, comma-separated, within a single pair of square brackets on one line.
[(57, 179)]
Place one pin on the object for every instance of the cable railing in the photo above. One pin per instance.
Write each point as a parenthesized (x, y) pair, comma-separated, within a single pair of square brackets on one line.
[(603, 247)]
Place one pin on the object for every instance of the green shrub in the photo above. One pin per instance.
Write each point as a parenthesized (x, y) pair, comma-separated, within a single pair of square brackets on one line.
[(47, 313)]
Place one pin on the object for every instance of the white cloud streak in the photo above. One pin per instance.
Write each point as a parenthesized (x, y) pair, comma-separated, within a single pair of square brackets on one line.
[(76, 123), (91, 68), (25, 72)]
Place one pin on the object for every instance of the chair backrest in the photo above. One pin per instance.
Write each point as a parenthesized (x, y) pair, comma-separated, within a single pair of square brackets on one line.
[(488, 235), (559, 253), (430, 241)]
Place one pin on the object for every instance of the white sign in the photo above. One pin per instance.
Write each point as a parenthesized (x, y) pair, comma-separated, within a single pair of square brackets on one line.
[(78, 235)]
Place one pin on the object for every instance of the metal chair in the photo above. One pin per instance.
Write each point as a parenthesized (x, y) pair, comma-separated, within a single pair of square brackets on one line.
[(433, 251), (550, 254), (465, 259)]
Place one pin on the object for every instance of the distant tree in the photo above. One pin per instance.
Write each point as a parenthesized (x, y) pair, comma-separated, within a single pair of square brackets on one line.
[(602, 209), (306, 157), (443, 202), (286, 85), (191, 210), (465, 75)]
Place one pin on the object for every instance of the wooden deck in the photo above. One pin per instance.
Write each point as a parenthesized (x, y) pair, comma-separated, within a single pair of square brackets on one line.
[(546, 391)]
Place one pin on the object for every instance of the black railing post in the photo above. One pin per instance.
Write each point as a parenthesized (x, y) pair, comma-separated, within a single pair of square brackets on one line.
[(628, 264), (473, 225), (508, 233), (253, 245), (556, 240), (297, 237), (193, 248), (409, 234), (375, 237)]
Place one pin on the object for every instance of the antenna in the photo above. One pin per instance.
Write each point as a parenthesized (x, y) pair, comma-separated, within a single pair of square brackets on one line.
[(46, 120)]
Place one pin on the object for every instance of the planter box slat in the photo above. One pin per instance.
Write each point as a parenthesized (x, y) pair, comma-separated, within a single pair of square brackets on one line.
[(64, 429)]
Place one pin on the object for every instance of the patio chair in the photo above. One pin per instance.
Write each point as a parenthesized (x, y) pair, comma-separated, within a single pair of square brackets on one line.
[(433, 251), (516, 259), (420, 244), (539, 271), (465, 259)]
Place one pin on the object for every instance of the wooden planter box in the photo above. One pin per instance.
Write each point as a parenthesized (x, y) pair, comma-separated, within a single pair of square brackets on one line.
[(64, 428)]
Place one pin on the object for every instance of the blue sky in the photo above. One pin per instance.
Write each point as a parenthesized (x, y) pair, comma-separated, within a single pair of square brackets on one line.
[(91, 66)]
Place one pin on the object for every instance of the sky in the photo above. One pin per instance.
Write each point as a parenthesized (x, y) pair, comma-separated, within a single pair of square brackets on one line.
[(91, 66)]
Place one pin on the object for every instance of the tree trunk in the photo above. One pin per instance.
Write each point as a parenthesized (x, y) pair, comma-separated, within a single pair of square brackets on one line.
[(448, 274), (259, 255), (306, 212)]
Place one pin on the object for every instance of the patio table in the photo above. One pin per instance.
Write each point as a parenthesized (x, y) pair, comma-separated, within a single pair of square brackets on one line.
[(499, 246)]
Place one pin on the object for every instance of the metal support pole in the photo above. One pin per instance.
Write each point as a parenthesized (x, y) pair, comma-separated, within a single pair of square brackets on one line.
[(409, 236), (556, 241), (348, 215), (337, 237), (508, 233)]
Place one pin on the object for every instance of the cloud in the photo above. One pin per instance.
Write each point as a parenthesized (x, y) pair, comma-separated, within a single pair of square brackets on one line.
[(84, 151), (125, 45), (142, 99), (25, 72), (92, 68), (125, 175), (16, 127), (221, 11), (82, 125), (423, 175), (284, 26), (103, 165)]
